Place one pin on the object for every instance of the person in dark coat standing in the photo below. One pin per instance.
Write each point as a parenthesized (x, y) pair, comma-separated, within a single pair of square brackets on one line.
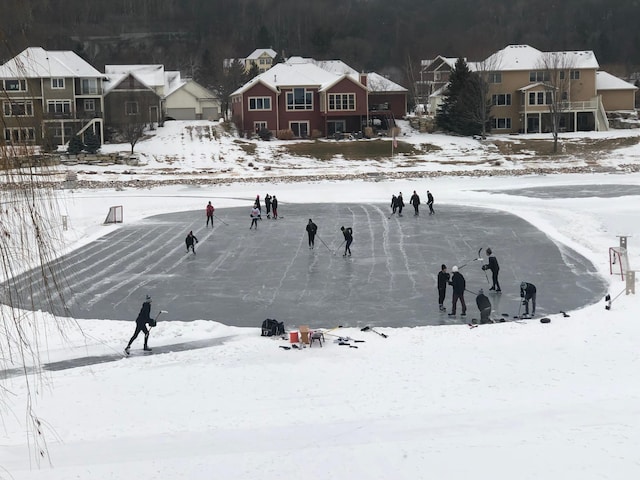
[(312, 228), (257, 203), (141, 325), (267, 204), (400, 204), (415, 201), (430, 202), (274, 207), (348, 238), (394, 204), (459, 284), (528, 292), (210, 211), (484, 305), (191, 241), (443, 281), (495, 268)]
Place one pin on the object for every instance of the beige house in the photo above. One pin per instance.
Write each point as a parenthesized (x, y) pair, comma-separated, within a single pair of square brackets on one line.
[(262, 57), (521, 90)]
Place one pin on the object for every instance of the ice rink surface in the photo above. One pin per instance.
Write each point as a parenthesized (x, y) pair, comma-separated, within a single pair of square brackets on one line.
[(240, 276)]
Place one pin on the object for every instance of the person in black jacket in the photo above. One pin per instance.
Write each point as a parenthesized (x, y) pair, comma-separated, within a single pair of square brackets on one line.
[(267, 204), (394, 204), (415, 201), (459, 284), (495, 268), (528, 292), (312, 228), (484, 305), (400, 204), (141, 325), (190, 241), (348, 238), (274, 207), (443, 280), (430, 202)]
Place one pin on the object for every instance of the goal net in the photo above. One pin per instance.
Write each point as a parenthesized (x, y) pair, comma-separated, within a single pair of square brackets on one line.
[(618, 261), (114, 215)]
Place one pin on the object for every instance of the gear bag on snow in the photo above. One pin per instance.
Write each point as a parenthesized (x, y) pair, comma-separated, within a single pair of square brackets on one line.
[(271, 327)]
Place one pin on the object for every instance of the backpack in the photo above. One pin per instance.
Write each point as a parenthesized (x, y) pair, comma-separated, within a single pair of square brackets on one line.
[(272, 327)]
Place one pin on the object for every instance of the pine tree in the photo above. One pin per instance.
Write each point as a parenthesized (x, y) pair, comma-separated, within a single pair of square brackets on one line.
[(75, 145), (91, 142)]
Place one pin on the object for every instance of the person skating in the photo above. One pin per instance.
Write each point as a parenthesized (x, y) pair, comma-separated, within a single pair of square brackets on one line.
[(267, 204), (141, 325), (191, 241), (394, 204), (257, 203), (210, 211), (255, 215), (312, 228), (348, 238), (443, 281), (484, 305), (415, 201), (274, 207), (430, 202), (400, 204), (528, 292), (495, 268), (459, 284)]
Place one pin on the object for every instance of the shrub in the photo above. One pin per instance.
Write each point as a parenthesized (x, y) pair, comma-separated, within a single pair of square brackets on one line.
[(286, 134), (265, 134), (75, 145), (315, 134)]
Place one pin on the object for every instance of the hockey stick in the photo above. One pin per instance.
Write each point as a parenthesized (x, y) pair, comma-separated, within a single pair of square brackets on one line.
[(477, 259), (369, 329), (319, 238), (339, 246), (220, 219)]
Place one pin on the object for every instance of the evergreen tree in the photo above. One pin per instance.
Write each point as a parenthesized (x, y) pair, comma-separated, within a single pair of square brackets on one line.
[(91, 142), (75, 145)]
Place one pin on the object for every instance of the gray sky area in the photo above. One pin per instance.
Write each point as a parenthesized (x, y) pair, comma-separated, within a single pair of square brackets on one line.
[(241, 276)]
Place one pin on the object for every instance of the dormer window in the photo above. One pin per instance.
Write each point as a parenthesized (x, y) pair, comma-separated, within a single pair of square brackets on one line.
[(57, 83)]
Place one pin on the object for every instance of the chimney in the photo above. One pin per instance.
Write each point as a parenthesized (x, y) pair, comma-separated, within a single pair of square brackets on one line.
[(363, 79)]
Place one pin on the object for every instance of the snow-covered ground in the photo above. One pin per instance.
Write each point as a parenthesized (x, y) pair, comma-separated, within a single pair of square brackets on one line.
[(514, 400)]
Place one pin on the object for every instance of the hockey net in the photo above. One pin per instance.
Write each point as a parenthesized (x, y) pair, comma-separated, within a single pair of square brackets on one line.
[(114, 215), (618, 261)]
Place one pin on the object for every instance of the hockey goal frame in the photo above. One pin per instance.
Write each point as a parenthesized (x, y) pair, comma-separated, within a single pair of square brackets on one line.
[(618, 255), (115, 215)]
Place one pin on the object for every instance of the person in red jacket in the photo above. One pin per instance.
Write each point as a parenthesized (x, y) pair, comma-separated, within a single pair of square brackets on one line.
[(210, 211)]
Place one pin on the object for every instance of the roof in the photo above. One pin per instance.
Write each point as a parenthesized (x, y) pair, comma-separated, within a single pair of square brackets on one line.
[(606, 81), (258, 52), (153, 76), (525, 57), (378, 83), (36, 62)]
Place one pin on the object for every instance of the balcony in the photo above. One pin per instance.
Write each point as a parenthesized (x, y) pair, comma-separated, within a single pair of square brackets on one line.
[(75, 115)]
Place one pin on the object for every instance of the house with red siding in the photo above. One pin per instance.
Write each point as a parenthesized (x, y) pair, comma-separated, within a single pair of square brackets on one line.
[(314, 99)]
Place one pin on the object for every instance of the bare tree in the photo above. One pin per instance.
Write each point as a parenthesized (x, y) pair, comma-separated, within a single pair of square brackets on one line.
[(487, 72), (556, 69), (132, 131)]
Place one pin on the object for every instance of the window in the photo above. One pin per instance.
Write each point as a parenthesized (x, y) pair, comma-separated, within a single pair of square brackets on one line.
[(299, 129), (260, 103), (257, 126), (59, 131), (495, 77), (131, 108), (57, 83), (59, 106), (22, 108), (300, 99), (89, 105), (501, 123), (501, 99), (19, 135), (89, 86), (539, 76), (15, 85), (540, 98), (574, 75), (262, 61), (342, 101), (562, 74)]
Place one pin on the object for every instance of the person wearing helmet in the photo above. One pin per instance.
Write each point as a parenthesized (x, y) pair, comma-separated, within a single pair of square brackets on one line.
[(484, 305), (458, 283), (528, 292), (495, 268), (190, 241), (141, 325)]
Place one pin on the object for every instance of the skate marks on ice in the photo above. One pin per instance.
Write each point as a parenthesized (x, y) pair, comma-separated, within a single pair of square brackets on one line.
[(240, 276)]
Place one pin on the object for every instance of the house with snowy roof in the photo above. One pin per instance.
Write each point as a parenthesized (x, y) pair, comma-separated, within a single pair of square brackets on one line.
[(316, 98), (520, 90), (50, 96)]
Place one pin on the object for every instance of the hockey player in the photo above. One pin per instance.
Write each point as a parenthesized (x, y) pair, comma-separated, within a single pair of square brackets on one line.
[(255, 215), (415, 201), (400, 204), (141, 325), (267, 204), (348, 238), (210, 211), (443, 280), (528, 292), (191, 241), (495, 268), (430, 202), (484, 305), (274, 207), (312, 228), (394, 204), (459, 284)]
